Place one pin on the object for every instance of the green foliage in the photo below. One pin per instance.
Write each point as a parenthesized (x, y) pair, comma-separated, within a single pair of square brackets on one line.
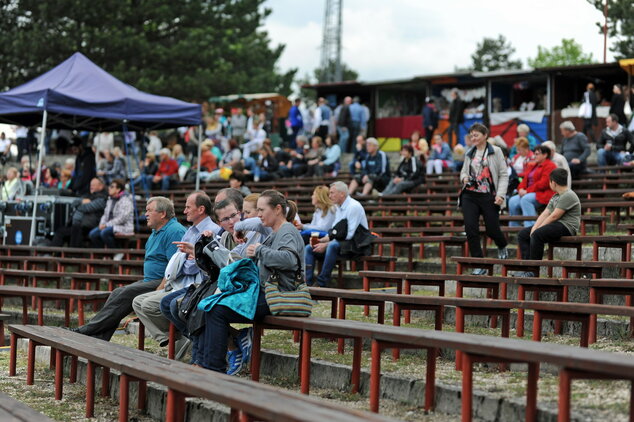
[(320, 76), (566, 54), (189, 49), (494, 54), (620, 25), (347, 74)]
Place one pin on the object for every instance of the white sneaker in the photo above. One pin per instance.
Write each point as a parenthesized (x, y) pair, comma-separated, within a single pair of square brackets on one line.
[(118, 257)]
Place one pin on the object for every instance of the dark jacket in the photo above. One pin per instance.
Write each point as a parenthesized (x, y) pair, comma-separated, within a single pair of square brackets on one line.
[(617, 107), (89, 214), (344, 117), (430, 116), (411, 170), (377, 164), (456, 111), (619, 142), (85, 171)]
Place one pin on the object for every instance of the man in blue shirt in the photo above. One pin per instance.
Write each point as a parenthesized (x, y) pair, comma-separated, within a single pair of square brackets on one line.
[(358, 118), (327, 249), (147, 306), (296, 121), (375, 171), (159, 248)]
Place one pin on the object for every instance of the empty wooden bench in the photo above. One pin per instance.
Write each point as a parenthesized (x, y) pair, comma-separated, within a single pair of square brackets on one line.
[(12, 410), (244, 397)]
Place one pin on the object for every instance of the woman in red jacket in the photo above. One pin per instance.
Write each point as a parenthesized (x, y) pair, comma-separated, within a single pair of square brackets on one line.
[(534, 188)]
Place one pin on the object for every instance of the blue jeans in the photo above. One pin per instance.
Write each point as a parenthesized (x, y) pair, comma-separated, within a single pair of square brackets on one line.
[(329, 258), (101, 238), (344, 135), (165, 183), (525, 205), (608, 158), (212, 350), (145, 180)]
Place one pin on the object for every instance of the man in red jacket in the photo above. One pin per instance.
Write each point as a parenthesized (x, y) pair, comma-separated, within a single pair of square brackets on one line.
[(168, 167), (534, 189)]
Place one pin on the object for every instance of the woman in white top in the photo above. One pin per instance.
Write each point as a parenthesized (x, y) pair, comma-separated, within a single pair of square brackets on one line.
[(324, 215), (523, 156)]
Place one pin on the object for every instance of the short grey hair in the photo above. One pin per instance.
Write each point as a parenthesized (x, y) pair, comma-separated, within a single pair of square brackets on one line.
[(339, 186), (567, 125), (523, 128), (550, 144), (302, 138), (163, 205)]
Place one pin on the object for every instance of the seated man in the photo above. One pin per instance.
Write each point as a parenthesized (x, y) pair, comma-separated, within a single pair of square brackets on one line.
[(118, 217), (85, 217), (562, 217), (574, 146), (159, 248), (147, 306), (327, 249), (375, 173), (167, 170), (612, 146)]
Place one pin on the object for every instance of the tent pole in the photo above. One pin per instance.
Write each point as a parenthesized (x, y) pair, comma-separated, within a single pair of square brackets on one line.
[(38, 176), (200, 144)]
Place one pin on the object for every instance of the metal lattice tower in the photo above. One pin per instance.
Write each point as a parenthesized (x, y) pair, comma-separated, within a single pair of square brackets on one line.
[(331, 41)]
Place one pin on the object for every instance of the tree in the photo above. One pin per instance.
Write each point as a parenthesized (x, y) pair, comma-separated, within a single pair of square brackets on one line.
[(566, 54), (189, 49), (347, 74), (319, 76), (620, 25), (494, 54)]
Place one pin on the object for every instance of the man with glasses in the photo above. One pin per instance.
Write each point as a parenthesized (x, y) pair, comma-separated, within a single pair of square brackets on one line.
[(160, 247), (183, 272)]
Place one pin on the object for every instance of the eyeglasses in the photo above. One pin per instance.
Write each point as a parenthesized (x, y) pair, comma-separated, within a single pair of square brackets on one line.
[(231, 217), (537, 152)]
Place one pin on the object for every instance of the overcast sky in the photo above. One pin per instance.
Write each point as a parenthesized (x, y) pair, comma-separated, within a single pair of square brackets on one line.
[(390, 39)]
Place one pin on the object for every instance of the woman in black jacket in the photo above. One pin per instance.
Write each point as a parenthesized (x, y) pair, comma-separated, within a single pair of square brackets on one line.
[(618, 104), (408, 175)]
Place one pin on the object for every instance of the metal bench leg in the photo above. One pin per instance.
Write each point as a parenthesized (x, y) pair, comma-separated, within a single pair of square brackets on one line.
[(256, 353), (467, 388), (105, 381), (30, 364), (356, 364), (141, 337), (341, 342), (537, 326), (142, 393), (375, 376), (531, 392), (171, 346), (90, 389), (407, 290), (459, 329), (124, 397), (565, 379), (430, 379), (73, 370), (396, 322), (13, 354), (305, 362), (176, 406), (59, 374), (519, 324)]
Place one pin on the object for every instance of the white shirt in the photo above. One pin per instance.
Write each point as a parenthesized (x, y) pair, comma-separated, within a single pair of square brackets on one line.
[(4, 145), (321, 222), (21, 132), (354, 212), (103, 141), (155, 145)]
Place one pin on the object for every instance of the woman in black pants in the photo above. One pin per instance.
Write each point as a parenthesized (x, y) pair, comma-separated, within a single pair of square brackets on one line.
[(484, 178)]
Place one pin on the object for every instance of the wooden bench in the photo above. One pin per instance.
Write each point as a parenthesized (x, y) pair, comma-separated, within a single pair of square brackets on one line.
[(42, 294), (12, 410), (66, 252), (244, 397), (397, 242), (574, 363)]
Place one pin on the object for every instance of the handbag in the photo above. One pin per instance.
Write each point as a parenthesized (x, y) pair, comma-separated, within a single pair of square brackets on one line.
[(297, 302), (585, 111)]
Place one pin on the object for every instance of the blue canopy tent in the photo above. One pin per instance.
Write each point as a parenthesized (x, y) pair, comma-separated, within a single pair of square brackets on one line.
[(78, 94)]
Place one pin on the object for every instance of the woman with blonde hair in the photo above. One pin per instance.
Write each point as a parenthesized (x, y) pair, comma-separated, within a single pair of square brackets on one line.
[(524, 155), (323, 217)]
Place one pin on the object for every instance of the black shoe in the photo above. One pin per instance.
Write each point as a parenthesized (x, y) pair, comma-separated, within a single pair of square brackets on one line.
[(164, 343)]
